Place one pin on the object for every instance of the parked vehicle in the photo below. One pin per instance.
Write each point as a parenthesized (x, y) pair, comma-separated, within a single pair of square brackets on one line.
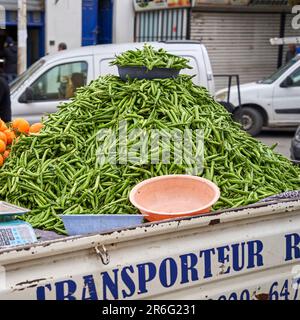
[(295, 146), (54, 78), (273, 101), (238, 254)]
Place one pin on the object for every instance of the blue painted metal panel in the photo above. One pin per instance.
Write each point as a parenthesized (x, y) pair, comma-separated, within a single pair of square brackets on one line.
[(11, 18), (105, 21), (37, 22), (42, 39), (89, 22), (34, 18)]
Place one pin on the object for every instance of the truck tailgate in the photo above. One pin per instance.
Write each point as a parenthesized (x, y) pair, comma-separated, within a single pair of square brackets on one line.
[(249, 253)]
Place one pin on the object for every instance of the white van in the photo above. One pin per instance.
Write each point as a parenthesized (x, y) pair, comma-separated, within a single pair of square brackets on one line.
[(45, 84), (273, 101)]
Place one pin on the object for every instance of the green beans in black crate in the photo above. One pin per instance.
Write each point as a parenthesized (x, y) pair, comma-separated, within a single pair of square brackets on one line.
[(149, 57), (56, 172)]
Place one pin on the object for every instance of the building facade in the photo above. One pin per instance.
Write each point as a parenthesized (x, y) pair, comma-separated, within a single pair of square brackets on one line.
[(35, 26), (50, 22), (78, 23), (235, 32), (237, 36), (63, 24)]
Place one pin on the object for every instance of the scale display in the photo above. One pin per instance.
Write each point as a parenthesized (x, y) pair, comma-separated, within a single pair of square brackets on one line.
[(14, 232)]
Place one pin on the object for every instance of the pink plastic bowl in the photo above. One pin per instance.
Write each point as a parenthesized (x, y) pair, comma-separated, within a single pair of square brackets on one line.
[(174, 196)]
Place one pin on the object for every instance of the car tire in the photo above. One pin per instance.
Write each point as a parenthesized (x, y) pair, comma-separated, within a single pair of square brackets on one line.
[(252, 120)]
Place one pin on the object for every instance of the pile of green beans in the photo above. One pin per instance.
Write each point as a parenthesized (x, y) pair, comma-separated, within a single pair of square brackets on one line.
[(57, 172), (149, 57)]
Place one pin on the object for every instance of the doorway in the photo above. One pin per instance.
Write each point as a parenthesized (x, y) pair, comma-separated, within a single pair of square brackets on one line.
[(97, 16)]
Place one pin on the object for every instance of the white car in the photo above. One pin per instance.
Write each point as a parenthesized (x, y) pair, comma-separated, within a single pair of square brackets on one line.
[(54, 78), (272, 102)]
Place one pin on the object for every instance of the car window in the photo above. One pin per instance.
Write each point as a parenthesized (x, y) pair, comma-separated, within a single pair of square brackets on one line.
[(296, 78), (105, 68), (59, 82), (14, 85), (276, 75)]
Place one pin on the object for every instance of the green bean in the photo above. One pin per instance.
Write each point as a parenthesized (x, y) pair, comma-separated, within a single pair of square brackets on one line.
[(150, 58)]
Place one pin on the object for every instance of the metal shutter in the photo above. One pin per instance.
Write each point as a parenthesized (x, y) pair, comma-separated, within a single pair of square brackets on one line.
[(238, 43), (161, 25), (289, 32)]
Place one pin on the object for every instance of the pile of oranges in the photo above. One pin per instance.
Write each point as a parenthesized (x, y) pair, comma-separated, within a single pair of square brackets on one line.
[(10, 133)]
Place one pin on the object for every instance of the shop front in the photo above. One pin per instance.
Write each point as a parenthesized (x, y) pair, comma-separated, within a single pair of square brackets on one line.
[(97, 18), (237, 36), (35, 27), (162, 20)]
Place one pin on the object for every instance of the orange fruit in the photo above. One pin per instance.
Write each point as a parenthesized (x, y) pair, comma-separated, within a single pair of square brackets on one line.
[(21, 125), (6, 154), (2, 146), (10, 135), (1, 160), (3, 126), (36, 128), (3, 137)]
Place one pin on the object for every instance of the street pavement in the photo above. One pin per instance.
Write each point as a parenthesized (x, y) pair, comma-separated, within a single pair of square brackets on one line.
[(281, 136)]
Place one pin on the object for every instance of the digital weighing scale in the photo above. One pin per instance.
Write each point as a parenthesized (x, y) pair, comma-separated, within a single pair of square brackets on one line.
[(14, 232)]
